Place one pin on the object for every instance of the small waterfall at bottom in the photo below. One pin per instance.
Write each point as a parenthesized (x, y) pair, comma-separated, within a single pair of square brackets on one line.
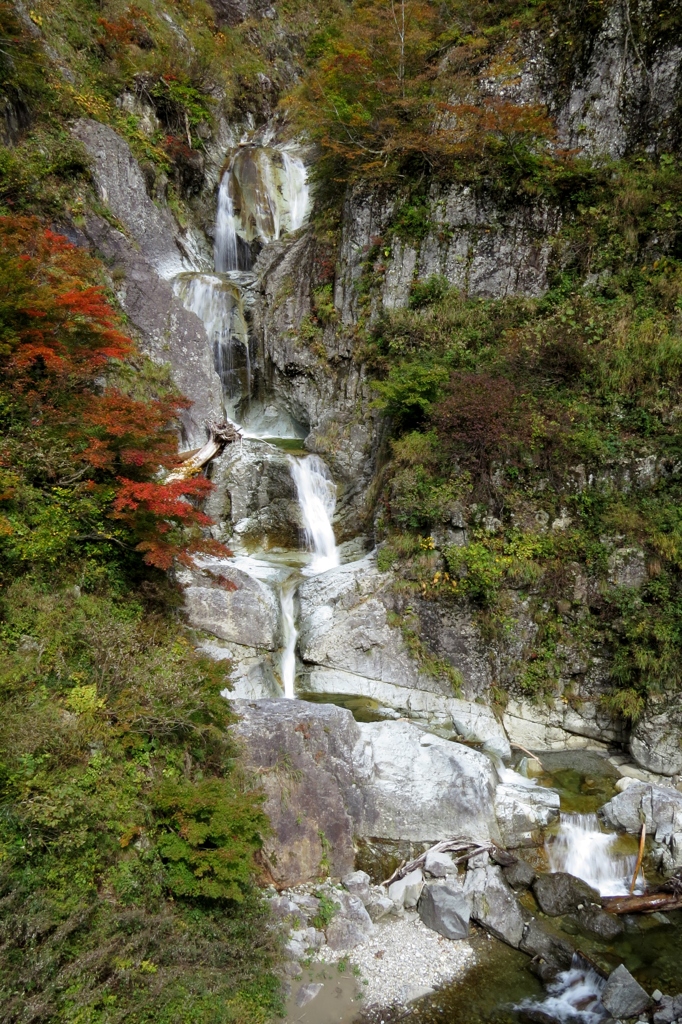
[(583, 850), (317, 497), (574, 996)]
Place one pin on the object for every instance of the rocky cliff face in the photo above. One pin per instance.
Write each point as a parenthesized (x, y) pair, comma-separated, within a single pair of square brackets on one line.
[(309, 303)]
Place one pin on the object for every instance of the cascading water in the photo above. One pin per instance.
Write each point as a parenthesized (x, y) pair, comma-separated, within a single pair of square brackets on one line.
[(583, 850), (295, 190), (218, 304), (290, 636), (573, 997), (317, 497), (225, 251)]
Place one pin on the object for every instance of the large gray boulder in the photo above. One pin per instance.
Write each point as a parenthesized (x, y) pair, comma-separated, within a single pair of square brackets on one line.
[(302, 757), (493, 904), (445, 909), (659, 808), (656, 739), (242, 610), (523, 811), (255, 496), (328, 780), (422, 787), (351, 924), (622, 996)]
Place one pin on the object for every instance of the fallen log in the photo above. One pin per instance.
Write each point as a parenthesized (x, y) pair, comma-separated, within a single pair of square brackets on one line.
[(221, 435), (643, 903)]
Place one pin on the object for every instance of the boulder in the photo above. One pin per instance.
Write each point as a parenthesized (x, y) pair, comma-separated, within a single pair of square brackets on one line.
[(351, 925), (669, 1009), (439, 865), (561, 893), (599, 923), (622, 996), (520, 875), (493, 904), (656, 739), (255, 495), (445, 909), (357, 883), (405, 892), (302, 754), (379, 906), (307, 993), (523, 811), (424, 788), (329, 779), (540, 941), (244, 610)]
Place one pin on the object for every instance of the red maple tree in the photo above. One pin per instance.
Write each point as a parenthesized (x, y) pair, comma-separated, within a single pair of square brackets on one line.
[(59, 340)]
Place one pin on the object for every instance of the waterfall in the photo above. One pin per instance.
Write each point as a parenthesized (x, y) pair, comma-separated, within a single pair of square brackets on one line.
[(225, 254), (218, 304), (295, 189), (290, 636), (317, 497), (583, 850)]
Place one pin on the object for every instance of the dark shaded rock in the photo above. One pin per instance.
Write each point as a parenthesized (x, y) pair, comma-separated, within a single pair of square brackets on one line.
[(599, 923), (560, 893), (539, 941), (622, 995), (446, 910), (520, 875)]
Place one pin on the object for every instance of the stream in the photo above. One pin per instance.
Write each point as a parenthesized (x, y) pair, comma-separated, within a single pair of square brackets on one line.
[(263, 195)]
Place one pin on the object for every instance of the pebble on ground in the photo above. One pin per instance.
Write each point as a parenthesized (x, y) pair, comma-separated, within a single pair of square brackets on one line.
[(404, 960)]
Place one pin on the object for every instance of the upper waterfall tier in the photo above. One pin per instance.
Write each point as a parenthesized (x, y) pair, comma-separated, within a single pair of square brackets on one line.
[(263, 194)]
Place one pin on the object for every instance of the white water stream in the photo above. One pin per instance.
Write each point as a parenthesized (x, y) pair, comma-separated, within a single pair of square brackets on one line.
[(317, 497), (574, 996), (582, 849)]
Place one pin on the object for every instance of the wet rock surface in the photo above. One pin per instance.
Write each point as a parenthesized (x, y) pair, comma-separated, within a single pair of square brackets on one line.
[(659, 808), (560, 893)]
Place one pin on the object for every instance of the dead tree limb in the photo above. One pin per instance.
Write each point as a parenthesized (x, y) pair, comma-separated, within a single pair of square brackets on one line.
[(466, 847), (221, 435)]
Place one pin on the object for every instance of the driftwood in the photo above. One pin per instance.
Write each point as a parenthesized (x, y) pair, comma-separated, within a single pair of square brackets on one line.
[(528, 753), (644, 903), (221, 435), (466, 847)]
